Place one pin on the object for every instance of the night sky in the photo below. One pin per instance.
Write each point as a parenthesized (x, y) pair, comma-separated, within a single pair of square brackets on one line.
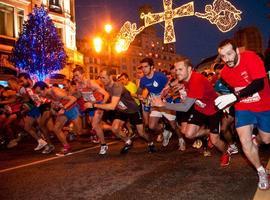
[(195, 37)]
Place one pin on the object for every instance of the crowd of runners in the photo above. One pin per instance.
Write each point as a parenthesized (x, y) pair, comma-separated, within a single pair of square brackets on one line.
[(211, 109)]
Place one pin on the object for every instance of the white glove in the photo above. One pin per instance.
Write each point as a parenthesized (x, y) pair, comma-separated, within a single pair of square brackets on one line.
[(224, 100)]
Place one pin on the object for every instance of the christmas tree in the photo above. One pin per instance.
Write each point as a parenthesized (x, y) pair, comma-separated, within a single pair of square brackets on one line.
[(39, 50)]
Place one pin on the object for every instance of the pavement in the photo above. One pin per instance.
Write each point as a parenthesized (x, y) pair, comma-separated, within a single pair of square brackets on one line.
[(167, 174)]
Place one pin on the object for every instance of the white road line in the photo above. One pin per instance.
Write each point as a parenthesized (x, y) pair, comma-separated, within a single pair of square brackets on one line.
[(260, 194), (52, 158)]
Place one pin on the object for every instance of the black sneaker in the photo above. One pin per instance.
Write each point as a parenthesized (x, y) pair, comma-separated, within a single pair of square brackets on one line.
[(126, 148), (152, 149)]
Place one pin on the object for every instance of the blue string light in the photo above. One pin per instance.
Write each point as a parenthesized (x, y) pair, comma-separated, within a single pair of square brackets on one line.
[(39, 50)]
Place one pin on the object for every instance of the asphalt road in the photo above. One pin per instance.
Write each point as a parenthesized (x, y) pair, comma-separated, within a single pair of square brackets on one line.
[(167, 174)]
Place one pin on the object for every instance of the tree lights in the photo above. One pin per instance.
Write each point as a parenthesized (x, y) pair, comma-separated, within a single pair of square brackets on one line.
[(39, 50)]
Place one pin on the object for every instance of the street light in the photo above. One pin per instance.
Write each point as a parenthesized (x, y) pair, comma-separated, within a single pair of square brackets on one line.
[(107, 40), (119, 45), (98, 44), (108, 28)]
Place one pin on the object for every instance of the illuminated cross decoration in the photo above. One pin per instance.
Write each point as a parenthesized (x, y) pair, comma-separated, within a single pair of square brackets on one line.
[(221, 13), (167, 16)]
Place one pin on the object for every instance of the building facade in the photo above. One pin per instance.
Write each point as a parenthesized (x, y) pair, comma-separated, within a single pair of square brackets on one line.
[(14, 12), (249, 38), (146, 44)]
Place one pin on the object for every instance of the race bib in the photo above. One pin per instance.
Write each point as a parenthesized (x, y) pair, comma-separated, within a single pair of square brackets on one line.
[(122, 106), (88, 96)]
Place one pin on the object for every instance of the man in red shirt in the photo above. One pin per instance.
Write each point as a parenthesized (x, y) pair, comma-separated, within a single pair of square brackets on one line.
[(198, 92), (245, 73)]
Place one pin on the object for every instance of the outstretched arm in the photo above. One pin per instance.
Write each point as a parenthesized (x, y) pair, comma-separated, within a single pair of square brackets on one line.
[(183, 106), (108, 106)]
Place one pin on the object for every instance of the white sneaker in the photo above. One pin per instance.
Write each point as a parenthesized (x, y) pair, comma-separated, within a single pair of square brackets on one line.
[(182, 144), (103, 149), (232, 149), (263, 181), (41, 144), (12, 143), (48, 149), (159, 138), (166, 137)]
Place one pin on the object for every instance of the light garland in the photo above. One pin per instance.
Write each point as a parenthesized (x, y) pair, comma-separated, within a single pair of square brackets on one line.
[(127, 34), (222, 13), (167, 16)]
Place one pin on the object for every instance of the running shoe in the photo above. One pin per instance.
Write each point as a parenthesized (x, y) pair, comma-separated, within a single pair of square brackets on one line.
[(182, 144), (126, 148), (49, 148), (95, 139), (232, 149), (103, 149), (41, 143), (64, 152), (225, 160), (166, 137), (263, 183)]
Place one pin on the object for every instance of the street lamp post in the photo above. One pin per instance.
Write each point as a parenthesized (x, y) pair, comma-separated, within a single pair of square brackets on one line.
[(99, 42), (108, 30), (112, 46)]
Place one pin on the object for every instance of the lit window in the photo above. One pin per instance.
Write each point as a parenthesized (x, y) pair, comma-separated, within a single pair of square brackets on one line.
[(7, 20), (54, 6), (20, 19), (91, 69), (60, 32)]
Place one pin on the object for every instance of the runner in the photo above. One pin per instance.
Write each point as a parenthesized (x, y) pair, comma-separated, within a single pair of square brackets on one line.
[(197, 90), (125, 109), (246, 74)]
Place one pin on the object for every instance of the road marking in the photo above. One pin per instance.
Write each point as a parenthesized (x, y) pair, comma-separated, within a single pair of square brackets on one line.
[(260, 194), (52, 158)]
